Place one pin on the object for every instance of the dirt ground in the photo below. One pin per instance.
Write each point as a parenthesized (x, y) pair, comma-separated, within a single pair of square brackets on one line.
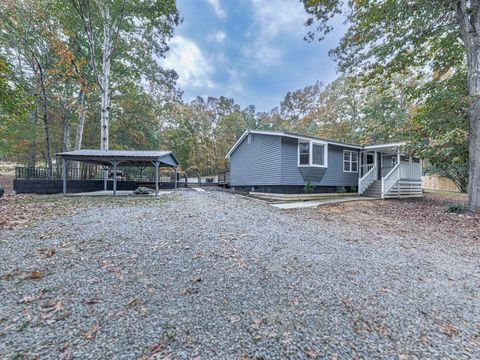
[(424, 217), (6, 180)]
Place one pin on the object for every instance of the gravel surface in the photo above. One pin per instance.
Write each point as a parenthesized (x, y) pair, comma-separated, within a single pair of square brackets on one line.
[(213, 275)]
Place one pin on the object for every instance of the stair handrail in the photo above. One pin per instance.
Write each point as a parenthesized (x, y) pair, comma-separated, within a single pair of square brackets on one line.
[(369, 176), (389, 180)]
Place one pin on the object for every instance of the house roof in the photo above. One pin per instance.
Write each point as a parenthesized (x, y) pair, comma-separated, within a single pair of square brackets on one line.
[(125, 157), (289, 135), (387, 146)]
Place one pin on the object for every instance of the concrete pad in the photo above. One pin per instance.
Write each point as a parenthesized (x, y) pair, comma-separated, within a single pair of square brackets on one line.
[(315, 203), (198, 189)]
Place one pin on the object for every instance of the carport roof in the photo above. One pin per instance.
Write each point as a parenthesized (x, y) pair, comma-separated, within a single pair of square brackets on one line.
[(123, 157)]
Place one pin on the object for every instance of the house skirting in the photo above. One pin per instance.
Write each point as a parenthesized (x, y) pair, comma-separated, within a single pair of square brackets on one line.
[(293, 189)]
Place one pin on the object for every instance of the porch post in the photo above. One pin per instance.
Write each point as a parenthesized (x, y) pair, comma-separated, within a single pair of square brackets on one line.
[(64, 165), (399, 165)]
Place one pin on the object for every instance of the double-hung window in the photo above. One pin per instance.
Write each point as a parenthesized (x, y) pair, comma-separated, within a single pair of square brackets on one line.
[(311, 153), (350, 161)]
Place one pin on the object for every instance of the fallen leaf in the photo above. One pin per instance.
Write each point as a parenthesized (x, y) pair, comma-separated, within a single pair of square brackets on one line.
[(92, 333), (134, 302), (27, 299), (36, 275), (235, 318), (47, 252), (310, 353), (196, 278), (185, 291)]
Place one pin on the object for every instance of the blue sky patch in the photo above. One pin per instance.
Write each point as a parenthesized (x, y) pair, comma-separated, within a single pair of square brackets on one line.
[(251, 50)]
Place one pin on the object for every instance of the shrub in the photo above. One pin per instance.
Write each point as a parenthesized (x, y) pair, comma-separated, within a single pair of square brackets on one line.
[(308, 189), (353, 189), (456, 208), (341, 190)]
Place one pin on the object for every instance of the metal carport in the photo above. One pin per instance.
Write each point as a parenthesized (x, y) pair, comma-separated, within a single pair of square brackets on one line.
[(107, 158)]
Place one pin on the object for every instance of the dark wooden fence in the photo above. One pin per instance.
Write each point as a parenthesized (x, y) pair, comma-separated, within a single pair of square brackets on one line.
[(93, 172), (224, 178)]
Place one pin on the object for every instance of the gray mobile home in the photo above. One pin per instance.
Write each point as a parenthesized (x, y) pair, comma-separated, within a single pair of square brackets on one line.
[(283, 162)]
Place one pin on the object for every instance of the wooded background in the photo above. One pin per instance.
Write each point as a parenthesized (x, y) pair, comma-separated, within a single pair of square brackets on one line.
[(70, 68)]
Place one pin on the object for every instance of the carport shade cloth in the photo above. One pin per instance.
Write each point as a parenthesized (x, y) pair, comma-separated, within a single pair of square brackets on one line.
[(124, 157)]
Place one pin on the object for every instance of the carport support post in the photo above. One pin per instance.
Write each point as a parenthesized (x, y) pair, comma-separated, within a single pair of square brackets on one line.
[(115, 163), (64, 166), (157, 164), (176, 174), (105, 177)]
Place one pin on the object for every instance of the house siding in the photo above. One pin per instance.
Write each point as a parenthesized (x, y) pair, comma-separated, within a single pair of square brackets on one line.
[(333, 175), (257, 163)]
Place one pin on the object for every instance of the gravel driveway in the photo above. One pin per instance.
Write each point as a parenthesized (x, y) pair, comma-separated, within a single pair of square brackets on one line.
[(214, 275)]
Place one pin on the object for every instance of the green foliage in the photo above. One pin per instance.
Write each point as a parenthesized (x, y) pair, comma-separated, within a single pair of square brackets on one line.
[(390, 36), (456, 208), (341, 190), (439, 127), (13, 114), (308, 188)]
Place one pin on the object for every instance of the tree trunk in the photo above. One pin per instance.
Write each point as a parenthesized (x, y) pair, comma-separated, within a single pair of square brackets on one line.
[(473, 63), (33, 148), (66, 130), (46, 126), (474, 156), (81, 120), (105, 81), (80, 127)]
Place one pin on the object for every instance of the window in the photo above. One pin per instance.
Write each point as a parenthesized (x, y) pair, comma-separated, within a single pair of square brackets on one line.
[(394, 161), (304, 153), (318, 152), (350, 161), (312, 153)]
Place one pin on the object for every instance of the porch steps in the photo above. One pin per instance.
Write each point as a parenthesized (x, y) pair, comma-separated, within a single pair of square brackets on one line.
[(374, 190)]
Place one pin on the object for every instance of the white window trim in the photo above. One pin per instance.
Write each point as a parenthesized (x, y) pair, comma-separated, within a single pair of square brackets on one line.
[(350, 161), (310, 153), (394, 161)]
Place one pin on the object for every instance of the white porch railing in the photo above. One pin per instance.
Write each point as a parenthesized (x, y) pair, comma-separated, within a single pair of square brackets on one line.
[(366, 180), (366, 168), (389, 180), (410, 170)]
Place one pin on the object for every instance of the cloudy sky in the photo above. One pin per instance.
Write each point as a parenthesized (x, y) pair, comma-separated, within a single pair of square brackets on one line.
[(251, 50)]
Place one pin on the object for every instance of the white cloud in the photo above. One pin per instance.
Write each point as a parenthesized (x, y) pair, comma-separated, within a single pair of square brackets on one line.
[(219, 37), (280, 16), (191, 65), (275, 21), (217, 8)]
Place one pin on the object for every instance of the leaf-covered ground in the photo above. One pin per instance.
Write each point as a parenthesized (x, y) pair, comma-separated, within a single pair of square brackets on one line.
[(18, 211), (423, 217)]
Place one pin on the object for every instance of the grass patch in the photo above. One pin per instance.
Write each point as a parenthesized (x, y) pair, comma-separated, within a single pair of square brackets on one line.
[(456, 208)]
